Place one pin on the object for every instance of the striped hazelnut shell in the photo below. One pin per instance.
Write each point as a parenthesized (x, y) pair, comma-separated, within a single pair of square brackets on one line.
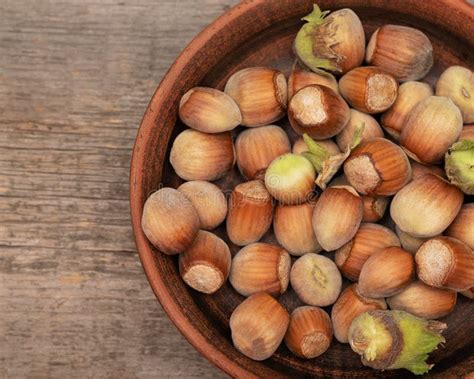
[(386, 273), (426, 206), (260, 93), (209, 110), (309, 333), (462, 228), (205, 265), (409, 94), (337, 216), (201, 156), (250, 212), (318, 111), (293, 228), (369, 240), (170, 221), (208, 200), (258, 326), (260, 267), (432, 126), (369, 89), (404, 52), (424, 301), (374, 207), (446, 262), (377, 167), (300, 78)]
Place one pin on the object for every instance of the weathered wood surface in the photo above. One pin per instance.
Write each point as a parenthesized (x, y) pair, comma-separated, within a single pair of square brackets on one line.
[(75, 79)]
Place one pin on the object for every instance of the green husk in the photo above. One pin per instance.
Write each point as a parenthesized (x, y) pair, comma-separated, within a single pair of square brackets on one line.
[(315, 148), (315, 161), (420, 337), (395, 339), (314, 41), (327, 165), (459, 165)]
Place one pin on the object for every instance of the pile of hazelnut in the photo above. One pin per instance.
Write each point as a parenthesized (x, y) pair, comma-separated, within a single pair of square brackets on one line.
[(359, 166)]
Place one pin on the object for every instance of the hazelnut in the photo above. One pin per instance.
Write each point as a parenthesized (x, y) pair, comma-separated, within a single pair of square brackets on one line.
[(337, 216), (377, 167), (208, 200), (404, 52), (318, 111), (426, 206), (293, 228), (462, 228), (309, 333), (205, 265), (409, 94), (457, 83), (290, 179), (250, 212), (386, 273), (335, 43), (424, 301), (446, 262), (260, 93), (170, 221), (260, 267), (316, 280), (258, 326), (374, 208), (347, 307), (369, 89), (201, 156), (209, 110), (300, 78), (432, 126)]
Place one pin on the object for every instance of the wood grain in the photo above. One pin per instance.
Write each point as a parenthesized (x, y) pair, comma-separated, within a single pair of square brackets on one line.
[(75, 80)]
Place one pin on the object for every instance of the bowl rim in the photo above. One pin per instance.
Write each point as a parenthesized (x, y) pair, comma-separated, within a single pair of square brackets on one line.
[(145, 251)]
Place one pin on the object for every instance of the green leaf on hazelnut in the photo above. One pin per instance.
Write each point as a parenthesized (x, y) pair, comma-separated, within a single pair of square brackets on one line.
[(328, 165), (316, 16), (314, 41)]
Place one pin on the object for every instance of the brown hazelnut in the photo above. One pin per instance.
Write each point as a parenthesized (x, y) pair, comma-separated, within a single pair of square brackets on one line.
[(386, 273), (260, 267), (377, 167), (260, 93), (201, 156), (318, 111), (309, 333), (250, 212), (258, 326), (369, 89), (170, 221), (205, 265)]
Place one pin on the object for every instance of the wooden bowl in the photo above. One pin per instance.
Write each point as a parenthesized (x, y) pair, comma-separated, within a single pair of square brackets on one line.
[(260, 33)]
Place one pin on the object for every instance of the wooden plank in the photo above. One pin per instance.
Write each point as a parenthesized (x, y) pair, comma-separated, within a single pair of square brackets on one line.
[(86, 315), (75, 80)]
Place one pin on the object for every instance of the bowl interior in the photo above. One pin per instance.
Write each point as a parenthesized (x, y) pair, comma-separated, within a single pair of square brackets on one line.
[(204, 318)]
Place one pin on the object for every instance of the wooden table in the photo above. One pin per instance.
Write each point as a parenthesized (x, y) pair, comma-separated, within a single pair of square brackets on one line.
[(75, 79)]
